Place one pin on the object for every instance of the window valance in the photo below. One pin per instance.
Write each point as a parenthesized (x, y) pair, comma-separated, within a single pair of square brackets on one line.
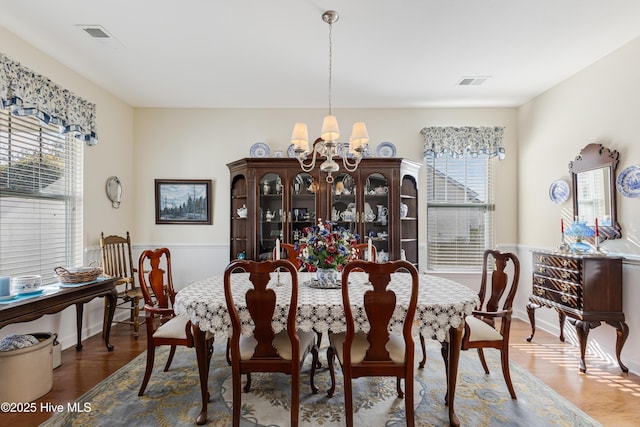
[(26, 93), (461, 141)]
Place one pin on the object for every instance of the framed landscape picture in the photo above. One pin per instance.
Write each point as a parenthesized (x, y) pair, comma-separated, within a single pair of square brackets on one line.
[(183, 201)]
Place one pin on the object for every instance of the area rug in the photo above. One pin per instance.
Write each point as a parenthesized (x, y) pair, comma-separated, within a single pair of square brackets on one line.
[(173, 398)]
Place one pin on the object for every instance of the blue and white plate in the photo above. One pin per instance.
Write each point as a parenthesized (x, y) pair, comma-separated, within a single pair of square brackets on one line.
[(559, 192), (291, 151), (386, 149), (259, 149), (628, 182), (343, 147)]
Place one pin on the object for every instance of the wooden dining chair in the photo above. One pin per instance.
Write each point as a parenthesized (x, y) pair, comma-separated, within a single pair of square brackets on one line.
[(164, 327), (118, 262), (265, 350), (290, 253), (362, 250), (377, 352), (480, 327)]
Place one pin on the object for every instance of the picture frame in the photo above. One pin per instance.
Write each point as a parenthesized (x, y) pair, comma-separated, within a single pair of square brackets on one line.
[(183, 201)]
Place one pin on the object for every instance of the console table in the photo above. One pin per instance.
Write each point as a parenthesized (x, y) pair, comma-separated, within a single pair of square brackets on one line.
[(56, 298), (586, 288)]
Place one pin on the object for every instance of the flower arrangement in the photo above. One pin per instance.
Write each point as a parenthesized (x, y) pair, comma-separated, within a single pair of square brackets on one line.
[(326, 246)]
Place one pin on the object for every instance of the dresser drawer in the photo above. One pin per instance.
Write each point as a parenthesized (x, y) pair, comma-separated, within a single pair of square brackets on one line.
[(572, 289), (557, 273), (567, 300), (557, 261)]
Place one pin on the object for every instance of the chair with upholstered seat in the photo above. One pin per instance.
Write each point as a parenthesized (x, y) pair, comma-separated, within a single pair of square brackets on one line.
[(117, 262), (480, 327), (164, 327), (265, 350), (377, 352)]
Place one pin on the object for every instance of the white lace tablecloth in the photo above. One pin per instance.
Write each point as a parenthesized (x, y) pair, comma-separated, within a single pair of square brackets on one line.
[(442, 304)]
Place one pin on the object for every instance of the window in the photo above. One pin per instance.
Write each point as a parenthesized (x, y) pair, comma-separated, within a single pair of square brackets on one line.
[(460, 210), (40, 197)]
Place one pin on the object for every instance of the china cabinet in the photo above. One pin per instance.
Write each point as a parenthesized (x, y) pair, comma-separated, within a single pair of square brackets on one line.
[(379, 201)]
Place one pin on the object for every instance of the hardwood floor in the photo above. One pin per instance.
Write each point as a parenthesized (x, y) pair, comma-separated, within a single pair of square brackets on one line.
[(604, 392)]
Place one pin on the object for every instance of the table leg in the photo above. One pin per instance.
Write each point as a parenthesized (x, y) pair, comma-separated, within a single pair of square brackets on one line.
[(561, 318), (455, 341), (202, 357), (582, 330), (531, 312), (622, 332), (111, 298), (79, 311)]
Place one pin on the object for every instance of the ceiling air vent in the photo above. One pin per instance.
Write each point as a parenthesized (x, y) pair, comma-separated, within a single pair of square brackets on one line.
[(100, 34), (472, 80), (95, 31)]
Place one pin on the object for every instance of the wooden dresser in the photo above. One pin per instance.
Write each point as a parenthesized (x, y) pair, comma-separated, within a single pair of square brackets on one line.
[(586, 288)]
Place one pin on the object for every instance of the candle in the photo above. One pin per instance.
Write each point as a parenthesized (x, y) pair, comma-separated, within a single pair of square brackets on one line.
[(597, 233), (369, 251), (277, 249), (562, 225)]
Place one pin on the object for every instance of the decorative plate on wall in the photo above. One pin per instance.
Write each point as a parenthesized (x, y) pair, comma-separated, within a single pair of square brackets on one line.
[(386, 149), (259, 149), (628, 182), (559, 192)]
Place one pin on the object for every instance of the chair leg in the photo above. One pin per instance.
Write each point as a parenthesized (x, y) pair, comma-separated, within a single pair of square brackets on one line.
[(247, 386), (172, 353), (105, 318), (399, 388), (483, 361), (504, 358), (237, 397), (424, 353), (151, 352), (408, 400), (136, 317), (319, 340), (330, 357), (295, 397), (348, 399), (314, 361)]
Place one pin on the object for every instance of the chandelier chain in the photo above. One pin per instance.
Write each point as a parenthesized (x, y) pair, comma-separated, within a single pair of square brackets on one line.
[(330, 63)]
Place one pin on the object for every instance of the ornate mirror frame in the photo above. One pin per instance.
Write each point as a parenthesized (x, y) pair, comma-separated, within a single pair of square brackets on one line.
[(593, 177)]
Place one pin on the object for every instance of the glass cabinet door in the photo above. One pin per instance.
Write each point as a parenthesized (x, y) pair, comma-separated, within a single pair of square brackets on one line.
[(376, 213), (270, 211), (303, 205), (344, 210)]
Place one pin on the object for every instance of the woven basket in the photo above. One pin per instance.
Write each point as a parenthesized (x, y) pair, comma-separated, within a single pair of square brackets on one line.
[(88, 274)]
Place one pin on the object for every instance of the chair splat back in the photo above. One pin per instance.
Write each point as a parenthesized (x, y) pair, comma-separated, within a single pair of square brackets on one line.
[(158, 288), (499, 280)]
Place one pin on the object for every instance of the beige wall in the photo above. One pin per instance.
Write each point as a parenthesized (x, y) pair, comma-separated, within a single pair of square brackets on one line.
[(599, 104)]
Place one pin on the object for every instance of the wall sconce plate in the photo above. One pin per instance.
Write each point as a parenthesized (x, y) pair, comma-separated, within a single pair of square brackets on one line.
[(114, 191)]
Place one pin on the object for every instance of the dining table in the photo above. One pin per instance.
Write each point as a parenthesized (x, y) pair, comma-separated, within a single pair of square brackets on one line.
[(441, 309)]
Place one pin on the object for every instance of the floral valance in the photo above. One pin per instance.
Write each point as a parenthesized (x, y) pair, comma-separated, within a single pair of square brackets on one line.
[(463, 141), (26, 93)]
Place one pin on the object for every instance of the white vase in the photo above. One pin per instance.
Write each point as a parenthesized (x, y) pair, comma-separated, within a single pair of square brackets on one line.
[(327, 277)]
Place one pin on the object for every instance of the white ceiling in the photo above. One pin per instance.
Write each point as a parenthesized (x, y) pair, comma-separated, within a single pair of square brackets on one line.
[(274, 54)]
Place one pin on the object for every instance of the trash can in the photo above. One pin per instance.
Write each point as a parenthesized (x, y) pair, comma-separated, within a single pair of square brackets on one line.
[(27, 372)]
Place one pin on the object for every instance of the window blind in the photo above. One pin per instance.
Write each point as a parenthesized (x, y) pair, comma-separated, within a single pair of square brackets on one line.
[(460, 209), (40, 198)]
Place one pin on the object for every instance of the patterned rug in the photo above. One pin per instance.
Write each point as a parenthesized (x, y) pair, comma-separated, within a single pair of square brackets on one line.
[(173, 398)]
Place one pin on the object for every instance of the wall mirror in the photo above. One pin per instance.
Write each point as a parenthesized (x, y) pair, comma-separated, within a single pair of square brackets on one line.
[(594, 196)]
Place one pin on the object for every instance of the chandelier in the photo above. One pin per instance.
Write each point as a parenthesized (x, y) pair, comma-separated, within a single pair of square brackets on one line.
[(327, 145)]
